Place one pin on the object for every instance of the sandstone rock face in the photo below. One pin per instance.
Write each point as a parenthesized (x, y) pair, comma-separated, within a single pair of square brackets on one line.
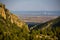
[(2, 13), (2, 10), (16, 20)]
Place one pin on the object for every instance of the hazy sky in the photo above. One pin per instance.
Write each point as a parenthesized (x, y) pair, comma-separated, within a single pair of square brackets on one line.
[(32, 5)]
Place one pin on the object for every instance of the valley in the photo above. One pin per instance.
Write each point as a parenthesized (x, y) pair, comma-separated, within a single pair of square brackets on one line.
[(14, 27)]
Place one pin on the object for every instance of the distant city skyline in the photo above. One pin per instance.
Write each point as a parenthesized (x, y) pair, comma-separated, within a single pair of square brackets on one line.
[(32, 5)]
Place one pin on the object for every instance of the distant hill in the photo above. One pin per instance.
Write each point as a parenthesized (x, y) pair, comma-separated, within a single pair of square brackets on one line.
[(54, 22)]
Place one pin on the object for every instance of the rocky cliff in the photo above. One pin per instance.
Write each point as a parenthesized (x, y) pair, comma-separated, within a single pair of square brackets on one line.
[(2, 11), (7, 15)]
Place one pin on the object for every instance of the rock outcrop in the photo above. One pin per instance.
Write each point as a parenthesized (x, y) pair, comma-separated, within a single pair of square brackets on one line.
[(2, 11), (7, 15)]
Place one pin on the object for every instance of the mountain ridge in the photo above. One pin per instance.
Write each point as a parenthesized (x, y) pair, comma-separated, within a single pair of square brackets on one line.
[(6, 14)]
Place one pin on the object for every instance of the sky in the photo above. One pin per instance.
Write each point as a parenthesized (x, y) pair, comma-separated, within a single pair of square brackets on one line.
[(32, 5)]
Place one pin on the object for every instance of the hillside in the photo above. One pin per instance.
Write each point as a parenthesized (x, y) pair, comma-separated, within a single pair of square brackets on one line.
[(11, 27), (50, 29), (53, 23)]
